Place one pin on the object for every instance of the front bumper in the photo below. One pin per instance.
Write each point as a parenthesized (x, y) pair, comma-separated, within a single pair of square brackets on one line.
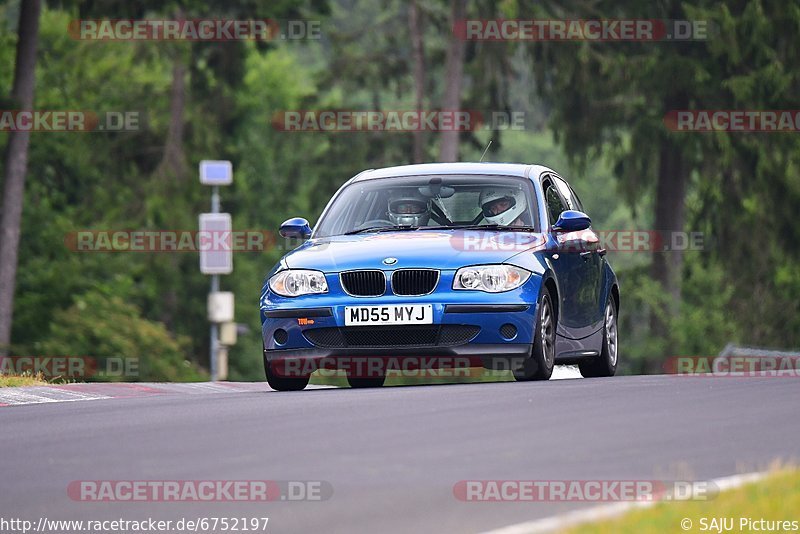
[(372, 363), (470, 324), (477, 353), (480, 332)]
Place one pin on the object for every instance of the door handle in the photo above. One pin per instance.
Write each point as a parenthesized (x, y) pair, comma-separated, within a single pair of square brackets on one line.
[(602, 252), (585, 255)]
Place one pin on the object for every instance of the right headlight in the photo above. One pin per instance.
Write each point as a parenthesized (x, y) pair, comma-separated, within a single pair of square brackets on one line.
[(490, 278), (296, 282)]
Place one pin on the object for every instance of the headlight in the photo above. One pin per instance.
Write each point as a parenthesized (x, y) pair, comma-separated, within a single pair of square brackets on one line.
[(490, 278), (296, 282)]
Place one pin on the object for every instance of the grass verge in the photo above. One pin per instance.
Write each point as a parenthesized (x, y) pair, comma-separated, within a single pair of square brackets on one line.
[(25, 379), (775, 499)]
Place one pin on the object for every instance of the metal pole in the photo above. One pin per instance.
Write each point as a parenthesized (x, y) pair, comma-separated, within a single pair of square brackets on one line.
[(215, 199), (214, 288), (214, 333)]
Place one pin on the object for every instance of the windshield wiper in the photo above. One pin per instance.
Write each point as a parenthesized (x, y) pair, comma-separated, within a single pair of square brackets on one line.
[(394, 228), (492, 227), (400, 228)]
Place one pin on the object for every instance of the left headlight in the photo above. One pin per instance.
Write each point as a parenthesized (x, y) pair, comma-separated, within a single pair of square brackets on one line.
[(296, 282), (490, 278)]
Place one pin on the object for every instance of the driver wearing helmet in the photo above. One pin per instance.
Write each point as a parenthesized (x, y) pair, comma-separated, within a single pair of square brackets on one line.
[(503, 206), (408, 209)]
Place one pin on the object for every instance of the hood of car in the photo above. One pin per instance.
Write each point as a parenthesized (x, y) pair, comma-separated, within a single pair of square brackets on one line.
[(435, 249)]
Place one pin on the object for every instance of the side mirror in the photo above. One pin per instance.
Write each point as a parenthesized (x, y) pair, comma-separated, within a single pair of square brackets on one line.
[(572, 221), (295, 227)]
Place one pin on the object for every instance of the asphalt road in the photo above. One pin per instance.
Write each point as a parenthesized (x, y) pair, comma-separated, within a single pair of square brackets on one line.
[(393, 455)]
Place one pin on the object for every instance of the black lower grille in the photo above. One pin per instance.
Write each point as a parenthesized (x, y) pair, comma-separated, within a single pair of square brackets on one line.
[(508, 331), (409, 282), (456, 334), (325, 337), (364, 283), (281, 336), (447, 335), (391, 337)]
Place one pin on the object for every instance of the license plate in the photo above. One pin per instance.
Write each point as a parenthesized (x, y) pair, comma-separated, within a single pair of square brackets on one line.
[(391, 314)]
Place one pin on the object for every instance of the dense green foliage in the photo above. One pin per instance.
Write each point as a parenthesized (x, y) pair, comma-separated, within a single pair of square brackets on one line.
[(108, 328), (593, 112)]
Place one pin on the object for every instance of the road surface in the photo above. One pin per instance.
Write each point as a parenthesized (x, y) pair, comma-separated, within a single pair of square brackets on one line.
[(393, 455)]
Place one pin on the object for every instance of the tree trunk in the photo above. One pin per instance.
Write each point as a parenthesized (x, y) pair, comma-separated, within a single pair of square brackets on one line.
[(173, 170), (454, 75), (173, 162), (418, 58), (15, 165), (670, 216)]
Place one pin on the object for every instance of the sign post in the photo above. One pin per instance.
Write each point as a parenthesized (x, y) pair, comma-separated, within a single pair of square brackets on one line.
[(215, 262)]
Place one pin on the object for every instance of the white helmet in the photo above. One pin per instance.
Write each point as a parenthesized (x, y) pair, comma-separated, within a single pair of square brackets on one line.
[(512, 200), (408, 209)]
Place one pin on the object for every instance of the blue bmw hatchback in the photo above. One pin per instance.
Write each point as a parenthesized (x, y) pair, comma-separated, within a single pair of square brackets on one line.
[(442, 265)]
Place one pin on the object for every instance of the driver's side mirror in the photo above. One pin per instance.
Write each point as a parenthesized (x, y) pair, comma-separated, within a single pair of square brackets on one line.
[(572, 221), (296, 227)]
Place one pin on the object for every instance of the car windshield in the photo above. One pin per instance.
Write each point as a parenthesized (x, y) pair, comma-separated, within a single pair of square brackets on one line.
[(431, 202)]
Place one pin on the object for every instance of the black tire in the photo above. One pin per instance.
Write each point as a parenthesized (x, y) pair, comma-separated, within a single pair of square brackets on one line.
[(539, 365), (283, 383), (366, 382), (606, 363)]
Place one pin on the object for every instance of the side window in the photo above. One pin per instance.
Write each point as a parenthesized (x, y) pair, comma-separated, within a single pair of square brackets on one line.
[(578, 203), (567, 192), (554, 203)]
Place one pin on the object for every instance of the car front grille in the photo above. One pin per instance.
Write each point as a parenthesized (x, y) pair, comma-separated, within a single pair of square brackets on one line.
[(446, 335), (364, 283), (410, 282), (457, 334), (325, 337)]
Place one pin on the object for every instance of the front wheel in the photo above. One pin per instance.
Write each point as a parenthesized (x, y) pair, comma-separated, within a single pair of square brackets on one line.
[(283, 383), (539, 365), (606, 363)]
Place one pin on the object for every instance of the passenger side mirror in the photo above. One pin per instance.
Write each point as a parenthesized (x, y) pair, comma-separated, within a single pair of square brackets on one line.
[(296, 227), (572, 221)]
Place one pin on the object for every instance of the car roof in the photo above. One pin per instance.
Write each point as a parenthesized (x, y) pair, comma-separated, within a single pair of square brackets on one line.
[(423, 169)]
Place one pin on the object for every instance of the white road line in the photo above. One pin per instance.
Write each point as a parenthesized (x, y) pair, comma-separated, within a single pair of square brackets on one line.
[(607, 511), (196, 387), (19, 396), (42, 395)]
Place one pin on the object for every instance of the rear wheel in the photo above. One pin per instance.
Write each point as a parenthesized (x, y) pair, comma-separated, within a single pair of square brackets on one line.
[(539, 365), (283, 383), (606, 363), (366, 382)]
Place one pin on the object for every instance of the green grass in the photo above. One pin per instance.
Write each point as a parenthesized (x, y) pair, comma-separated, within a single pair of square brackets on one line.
[(776, 498), (443, 376), (25, 379)]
